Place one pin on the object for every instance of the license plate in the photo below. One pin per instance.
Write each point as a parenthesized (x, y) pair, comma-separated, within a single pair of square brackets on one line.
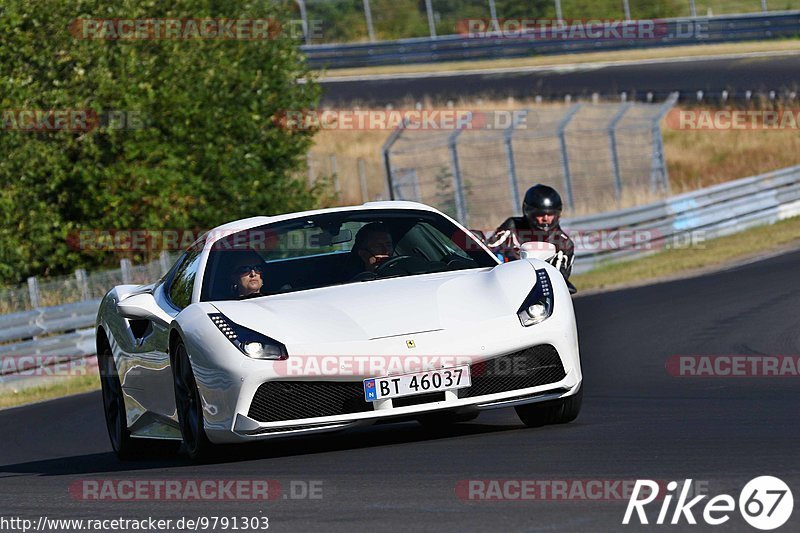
[(417, 383)]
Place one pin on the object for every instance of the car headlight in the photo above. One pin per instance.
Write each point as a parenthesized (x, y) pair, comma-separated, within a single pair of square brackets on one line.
[(251, 343), (538, 306)]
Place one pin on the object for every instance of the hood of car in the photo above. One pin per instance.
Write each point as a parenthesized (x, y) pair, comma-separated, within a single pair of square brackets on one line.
[(384, 308)]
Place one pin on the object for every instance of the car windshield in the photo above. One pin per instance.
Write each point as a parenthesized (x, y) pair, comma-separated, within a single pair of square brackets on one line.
[(337, 248)]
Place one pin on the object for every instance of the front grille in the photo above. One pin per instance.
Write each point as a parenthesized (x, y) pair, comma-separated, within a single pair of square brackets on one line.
[(535, 366), (276, 401), (417, 399)]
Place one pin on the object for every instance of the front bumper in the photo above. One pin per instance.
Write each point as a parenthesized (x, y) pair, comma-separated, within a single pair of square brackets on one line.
[(280, 408), (247, 429)]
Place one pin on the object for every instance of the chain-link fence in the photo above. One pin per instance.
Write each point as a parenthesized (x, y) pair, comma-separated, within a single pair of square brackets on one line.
[(354, 179), (601, 156), (341, 21), (81, 286)]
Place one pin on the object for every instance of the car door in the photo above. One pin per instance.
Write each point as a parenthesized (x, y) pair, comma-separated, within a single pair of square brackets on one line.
[(150, 377)]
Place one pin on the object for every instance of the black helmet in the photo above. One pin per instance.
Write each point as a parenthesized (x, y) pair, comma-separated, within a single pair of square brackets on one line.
[(541, 199)]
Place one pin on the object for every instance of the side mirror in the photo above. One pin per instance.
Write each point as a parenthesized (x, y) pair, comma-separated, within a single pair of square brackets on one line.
[(572, 288), (142, 307), (537, 250)]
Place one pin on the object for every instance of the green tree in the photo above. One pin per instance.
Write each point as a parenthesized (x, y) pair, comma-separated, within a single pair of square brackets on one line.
[(207, 151)]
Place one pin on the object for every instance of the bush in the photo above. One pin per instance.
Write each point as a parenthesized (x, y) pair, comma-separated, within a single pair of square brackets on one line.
[(209, 151)]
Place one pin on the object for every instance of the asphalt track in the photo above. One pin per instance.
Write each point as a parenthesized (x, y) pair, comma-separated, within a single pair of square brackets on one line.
[(638, 422), (757, 74)]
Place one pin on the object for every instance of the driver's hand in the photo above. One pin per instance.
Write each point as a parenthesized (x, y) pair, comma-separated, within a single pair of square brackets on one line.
[(378, 259)]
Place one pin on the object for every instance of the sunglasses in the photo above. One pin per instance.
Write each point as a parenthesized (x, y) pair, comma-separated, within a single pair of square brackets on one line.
[(245, 269)]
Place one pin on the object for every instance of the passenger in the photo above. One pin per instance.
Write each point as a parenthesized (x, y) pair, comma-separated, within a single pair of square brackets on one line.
[(247, 279)]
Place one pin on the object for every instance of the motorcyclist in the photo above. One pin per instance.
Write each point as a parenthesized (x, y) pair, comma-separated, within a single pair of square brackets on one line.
[(541, 211)]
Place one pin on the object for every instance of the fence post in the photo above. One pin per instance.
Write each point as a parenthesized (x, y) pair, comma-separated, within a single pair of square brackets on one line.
[(368, 16), (562, 139), (335, 174), (692, 9), (461, 205), (33, 291), (431, 24), (513, 184), (163, 259), (658, 165), (304, 17), (309, 161), (612, 141), (406, 185), (626, 5), (493, 12), (764, 6), (334, 166), (559, 15), (125, 267), (83, 284), (387, 162), (362, 180)]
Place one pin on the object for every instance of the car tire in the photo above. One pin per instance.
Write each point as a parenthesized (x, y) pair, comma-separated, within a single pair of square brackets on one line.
[(189, 406), (124, 445), (114, 407), (559, 411)]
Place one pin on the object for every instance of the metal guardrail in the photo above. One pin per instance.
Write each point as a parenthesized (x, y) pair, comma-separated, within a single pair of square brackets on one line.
[(45, 337), (708, 213), (716, 211), (676, 31), (47, 320)]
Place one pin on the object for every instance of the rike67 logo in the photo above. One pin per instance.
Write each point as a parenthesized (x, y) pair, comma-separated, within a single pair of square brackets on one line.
[(765, 503)]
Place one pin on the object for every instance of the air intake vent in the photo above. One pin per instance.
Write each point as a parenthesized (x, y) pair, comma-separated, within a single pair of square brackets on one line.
[(276, 401)]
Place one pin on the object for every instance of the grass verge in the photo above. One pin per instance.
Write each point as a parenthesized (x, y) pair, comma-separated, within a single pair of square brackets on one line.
[(48, 390), (569, 59), (711, 255)]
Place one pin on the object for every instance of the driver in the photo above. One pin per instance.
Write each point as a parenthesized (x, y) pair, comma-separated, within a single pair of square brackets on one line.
[(373, 245), (247, 278)]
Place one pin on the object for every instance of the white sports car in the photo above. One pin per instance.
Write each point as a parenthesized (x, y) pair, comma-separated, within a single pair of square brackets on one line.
[(329, 319)]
